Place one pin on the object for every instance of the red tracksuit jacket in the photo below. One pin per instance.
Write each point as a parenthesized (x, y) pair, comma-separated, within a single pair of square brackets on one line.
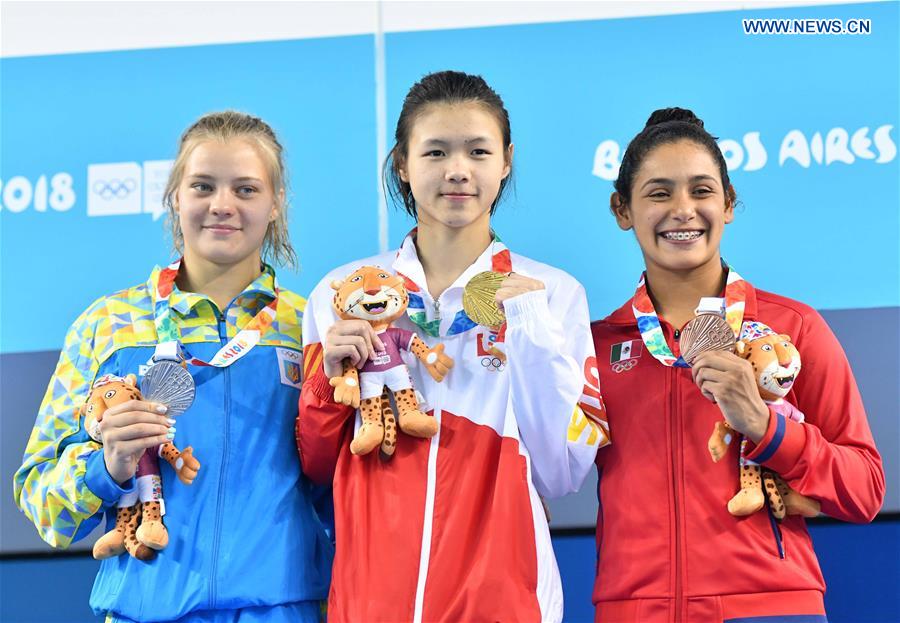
[(668, 548)]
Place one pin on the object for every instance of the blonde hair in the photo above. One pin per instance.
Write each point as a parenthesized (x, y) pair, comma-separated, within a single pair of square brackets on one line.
[(225, 126)]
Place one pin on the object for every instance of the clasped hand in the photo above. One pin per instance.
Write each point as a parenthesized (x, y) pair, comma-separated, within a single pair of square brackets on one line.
[(127, 430), (729, 381)]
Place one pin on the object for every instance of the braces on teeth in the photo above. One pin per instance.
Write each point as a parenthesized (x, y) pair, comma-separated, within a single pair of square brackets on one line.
[(682, 235)]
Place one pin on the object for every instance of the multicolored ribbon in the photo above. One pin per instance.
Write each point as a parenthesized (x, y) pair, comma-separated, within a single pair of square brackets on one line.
[(651, 331), (501, 262), (237, 347)]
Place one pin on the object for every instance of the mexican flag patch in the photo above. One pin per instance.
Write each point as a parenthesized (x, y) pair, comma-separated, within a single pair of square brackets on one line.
[(626, 350)]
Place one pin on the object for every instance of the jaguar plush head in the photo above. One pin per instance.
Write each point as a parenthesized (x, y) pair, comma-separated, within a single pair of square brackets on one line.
[(107, 391), (775, 360), (370, 293)]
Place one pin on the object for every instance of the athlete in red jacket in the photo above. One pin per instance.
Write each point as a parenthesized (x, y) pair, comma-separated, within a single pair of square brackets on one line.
[(668, 548)]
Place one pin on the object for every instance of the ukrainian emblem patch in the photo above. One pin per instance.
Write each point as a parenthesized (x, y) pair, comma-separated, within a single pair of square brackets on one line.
[(290, 366)]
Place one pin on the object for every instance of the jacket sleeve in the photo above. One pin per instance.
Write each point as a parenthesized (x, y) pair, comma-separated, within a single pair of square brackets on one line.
[(63, 485), (321, 422), (831, 456), (554, 385)]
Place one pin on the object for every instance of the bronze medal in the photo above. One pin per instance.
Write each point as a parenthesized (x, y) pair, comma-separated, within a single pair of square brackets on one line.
[(704, 333)]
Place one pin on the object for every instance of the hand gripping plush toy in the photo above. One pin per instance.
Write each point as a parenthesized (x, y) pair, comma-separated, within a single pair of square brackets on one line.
[(378, 297), (776, 364), (139, 529)]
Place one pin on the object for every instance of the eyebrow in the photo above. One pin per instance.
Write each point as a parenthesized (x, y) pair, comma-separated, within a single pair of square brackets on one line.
[(204, 176), (668, 182), (442, 141)]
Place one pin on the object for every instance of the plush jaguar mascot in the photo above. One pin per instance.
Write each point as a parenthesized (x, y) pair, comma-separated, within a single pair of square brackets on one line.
[(139, 528), (776, 364), (378, 297)]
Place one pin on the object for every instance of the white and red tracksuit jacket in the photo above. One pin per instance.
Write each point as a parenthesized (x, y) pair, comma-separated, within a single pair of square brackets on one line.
[(452, 528), (668, 548)]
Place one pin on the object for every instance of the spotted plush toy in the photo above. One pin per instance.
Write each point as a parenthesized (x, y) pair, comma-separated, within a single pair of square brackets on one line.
[(378, 297), (139, 528), (776, 364)]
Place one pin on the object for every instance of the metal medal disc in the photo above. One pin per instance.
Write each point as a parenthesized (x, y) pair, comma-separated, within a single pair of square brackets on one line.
[(479, 300), (704, 333), (169, 383)]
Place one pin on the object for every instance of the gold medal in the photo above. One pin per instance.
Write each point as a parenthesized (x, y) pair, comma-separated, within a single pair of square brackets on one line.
[(479, 300), (704, 333)]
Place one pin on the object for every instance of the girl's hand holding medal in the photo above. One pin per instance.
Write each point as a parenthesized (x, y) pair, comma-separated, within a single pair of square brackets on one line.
[(727, 380), (516, 284), (127, 430)]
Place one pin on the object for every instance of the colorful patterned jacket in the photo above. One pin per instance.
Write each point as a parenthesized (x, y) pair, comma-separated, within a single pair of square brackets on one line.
[(250, 495)]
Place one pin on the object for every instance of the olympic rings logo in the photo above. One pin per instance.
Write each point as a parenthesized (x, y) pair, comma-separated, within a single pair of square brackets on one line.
[(622, 366), (114, 188), (493, 364)]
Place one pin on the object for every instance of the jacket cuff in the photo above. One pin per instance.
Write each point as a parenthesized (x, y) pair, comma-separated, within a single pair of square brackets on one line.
[(320, 386), (781, 446), (526, 307), (101, 484)]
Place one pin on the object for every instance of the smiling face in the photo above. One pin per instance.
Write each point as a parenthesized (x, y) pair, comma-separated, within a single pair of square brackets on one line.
[(678, 208), (372, 294), (225, 203), (454, 165)]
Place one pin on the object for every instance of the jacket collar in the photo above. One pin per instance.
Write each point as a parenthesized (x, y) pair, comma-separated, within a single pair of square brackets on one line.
[(407, 263), (262, 287), (625, 316)]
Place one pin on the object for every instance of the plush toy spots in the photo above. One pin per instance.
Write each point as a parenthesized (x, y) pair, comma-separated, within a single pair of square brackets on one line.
[(378, 297), (776, 364), (139, 528)]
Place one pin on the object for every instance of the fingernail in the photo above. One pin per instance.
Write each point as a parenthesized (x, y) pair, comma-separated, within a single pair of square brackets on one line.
[(170, 420), (170, 436), (161, 408), (171, 430)]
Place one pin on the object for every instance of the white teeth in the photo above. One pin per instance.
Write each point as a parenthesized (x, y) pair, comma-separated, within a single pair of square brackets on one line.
[(682, 235)]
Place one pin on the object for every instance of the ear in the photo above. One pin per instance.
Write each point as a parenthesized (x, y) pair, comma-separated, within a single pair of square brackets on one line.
[(336, 284), (276, 209), (400, 166), (730, 200), (740, 348), (131, 379), (507, 169), (784, 337), (620, 210)]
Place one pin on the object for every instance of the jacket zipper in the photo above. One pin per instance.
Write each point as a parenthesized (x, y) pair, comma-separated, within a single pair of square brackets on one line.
[(676, 481), (435, 389), (223, 338)]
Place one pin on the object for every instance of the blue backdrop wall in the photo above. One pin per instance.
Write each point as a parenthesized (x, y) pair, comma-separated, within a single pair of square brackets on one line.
[(808, 125)]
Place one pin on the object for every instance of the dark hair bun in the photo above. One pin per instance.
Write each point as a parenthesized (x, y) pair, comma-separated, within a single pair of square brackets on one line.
[(664, 115)]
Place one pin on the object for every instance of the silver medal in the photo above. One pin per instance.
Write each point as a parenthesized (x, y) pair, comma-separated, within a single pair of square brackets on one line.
[(168, 383)]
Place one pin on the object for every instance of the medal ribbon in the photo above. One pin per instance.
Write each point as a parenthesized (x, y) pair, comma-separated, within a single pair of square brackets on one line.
[(237, 347), (651, 331), (501, 262)]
